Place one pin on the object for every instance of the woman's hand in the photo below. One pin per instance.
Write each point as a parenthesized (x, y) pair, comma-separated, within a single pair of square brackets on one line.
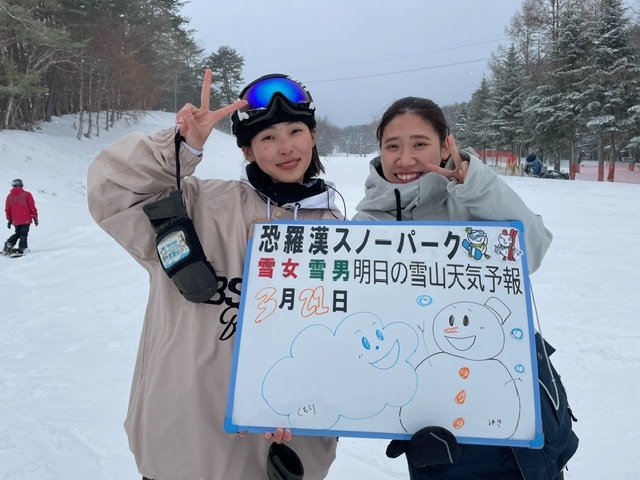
[(281, 435), (461, 167), (196, 123)]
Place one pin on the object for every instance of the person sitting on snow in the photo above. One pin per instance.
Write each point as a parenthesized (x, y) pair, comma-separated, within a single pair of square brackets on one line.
[(533, 165)]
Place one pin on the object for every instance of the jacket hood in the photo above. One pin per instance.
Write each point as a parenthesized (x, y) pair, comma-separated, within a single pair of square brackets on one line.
[(16, 190), (428, 193)]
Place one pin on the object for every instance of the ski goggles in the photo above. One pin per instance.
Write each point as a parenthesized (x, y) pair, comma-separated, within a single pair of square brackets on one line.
[(272, 92)]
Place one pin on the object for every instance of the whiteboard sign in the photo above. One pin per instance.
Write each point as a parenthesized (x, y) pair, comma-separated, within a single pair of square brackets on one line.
[(378, 329)]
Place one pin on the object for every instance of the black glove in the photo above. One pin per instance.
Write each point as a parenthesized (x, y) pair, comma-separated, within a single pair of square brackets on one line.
[(35, 220), (283, 463), (428, 447), (9, 224)]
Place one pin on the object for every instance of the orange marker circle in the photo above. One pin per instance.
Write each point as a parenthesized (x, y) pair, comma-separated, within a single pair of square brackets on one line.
[(464, 372), (458, 423)]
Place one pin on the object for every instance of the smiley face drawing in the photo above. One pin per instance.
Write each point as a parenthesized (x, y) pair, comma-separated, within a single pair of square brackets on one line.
[(353, 371), (364, 337), (464, 388)]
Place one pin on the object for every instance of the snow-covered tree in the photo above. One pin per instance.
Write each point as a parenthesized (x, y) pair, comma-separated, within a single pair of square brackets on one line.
[(476, 124), (612, 82), (553, 110), (506, 101)]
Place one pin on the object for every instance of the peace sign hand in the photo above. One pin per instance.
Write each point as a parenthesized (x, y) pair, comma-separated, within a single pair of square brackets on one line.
[(460, 172), (196, 123), (461, 167)]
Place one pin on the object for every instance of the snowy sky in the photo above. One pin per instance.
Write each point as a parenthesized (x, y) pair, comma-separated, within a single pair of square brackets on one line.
[(356, 57), (73, 307)]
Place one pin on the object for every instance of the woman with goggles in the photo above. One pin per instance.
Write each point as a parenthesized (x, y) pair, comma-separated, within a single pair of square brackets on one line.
[(181, 379), (421, 175)]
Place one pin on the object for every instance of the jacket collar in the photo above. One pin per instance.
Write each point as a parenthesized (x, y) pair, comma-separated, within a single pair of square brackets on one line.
[(428, 193), (323, 200)]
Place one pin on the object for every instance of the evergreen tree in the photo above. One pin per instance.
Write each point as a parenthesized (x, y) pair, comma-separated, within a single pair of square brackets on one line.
[(478, 118), (31, 45), (226, 65), (70, 56), (359, 139), (612, 86), (327, 136), (634, 140), (506, 101), (552, 111)]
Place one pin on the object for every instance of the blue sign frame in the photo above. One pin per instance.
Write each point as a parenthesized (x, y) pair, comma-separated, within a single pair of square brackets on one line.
[(377, 329)]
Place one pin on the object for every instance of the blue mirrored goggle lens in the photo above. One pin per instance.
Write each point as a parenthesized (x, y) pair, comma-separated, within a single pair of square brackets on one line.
[(260, 94)]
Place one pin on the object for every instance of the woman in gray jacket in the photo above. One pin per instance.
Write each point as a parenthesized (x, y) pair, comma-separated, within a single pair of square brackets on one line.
[(420, 175), (181, 378)]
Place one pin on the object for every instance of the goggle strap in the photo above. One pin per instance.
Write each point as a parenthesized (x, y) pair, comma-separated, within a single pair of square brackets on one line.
[(278, 102)]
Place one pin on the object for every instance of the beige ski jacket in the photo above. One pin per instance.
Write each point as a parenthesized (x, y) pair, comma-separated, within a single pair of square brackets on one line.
[(181, 378)]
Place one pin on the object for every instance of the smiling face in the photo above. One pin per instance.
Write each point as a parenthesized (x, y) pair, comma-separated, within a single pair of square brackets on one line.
[(367, 340), (283, 151), (408, 145), (468, 330), (504, 239)]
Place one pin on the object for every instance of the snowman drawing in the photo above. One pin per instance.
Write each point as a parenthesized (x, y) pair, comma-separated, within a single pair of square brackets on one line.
[(464, 387)]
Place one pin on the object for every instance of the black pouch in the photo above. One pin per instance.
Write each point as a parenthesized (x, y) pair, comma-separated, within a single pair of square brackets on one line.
[(283, 463), (179, 249)]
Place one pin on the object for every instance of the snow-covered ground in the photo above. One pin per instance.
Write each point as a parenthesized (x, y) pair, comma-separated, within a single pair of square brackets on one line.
[(72, 313)]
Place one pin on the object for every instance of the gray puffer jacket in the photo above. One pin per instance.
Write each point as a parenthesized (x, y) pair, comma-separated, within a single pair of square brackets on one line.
[(483, 197)]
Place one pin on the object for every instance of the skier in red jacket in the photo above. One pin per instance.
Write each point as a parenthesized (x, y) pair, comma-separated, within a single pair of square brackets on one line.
[(21, 211)]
